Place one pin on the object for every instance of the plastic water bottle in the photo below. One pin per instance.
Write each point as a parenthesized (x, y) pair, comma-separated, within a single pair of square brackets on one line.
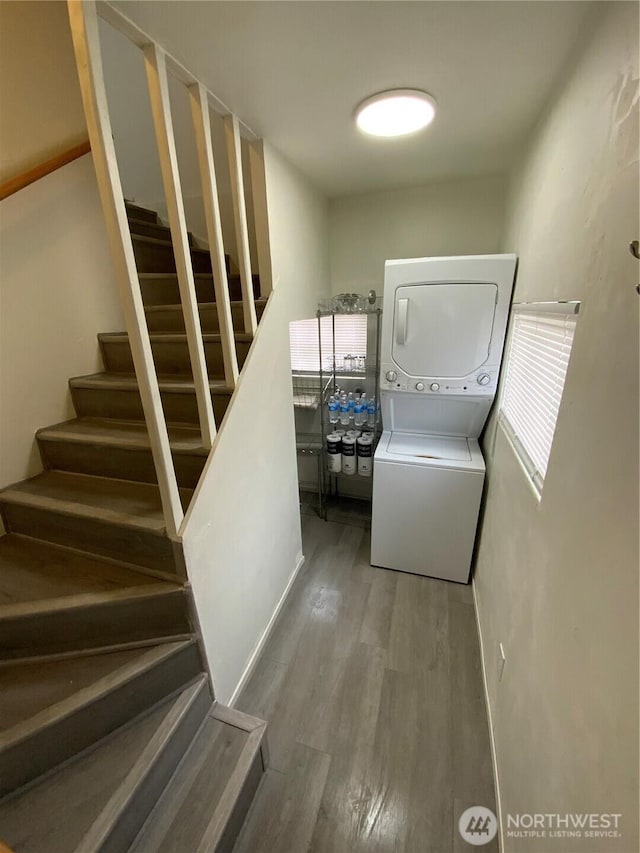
[(344, 410), (358, 418), (334, 410), (371, 414)]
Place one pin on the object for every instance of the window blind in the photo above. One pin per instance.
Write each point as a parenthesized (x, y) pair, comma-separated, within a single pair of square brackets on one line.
[(350, 334), (540, 346)]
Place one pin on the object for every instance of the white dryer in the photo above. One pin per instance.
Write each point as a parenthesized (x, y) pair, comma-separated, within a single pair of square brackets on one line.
[(443, 328)]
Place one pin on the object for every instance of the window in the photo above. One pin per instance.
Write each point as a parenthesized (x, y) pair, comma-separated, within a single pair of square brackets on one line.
[(351, 340), (540, 345)]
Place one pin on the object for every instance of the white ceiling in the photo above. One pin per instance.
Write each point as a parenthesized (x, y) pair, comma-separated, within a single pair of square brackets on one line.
[(294, 71)]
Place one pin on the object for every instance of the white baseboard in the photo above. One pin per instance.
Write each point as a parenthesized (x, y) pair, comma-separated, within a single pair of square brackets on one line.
[(255, 656), (494, 759)]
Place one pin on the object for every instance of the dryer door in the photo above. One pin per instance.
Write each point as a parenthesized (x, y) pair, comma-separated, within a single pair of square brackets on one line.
[(443, 329)]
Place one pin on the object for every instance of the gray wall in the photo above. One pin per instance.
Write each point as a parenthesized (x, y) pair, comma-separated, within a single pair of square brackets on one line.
[(458, 217), (557, 581)]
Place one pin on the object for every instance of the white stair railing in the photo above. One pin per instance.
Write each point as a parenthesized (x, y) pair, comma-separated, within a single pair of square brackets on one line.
[(158, 82), (83, 17), (261, 215), (202, 130), (234, 152), (86, 42)]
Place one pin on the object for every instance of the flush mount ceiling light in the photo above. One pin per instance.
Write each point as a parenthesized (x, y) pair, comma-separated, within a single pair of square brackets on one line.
[(396, 112)]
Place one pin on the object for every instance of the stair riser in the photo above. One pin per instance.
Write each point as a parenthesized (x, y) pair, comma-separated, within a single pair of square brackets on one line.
[(126, 405), (126, 544), (123, 464), (61, 739), (170, 358), (165, 291), (96, 626), (242, 806), (130, 820), (154, 257), (151, 229), (172, 319), (134, 212)]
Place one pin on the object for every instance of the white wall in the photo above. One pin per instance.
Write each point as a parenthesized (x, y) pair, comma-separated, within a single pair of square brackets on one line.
[(242, 536), (461, 217), (40, 99), (57, 291), (557, 582)]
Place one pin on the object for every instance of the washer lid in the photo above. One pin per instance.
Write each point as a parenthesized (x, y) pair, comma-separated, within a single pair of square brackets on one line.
[(429, 446)]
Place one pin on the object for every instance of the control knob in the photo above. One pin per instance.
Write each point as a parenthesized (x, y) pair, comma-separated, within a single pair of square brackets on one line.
[(391, 376), (419, 386), (434, 386), (483, 379)]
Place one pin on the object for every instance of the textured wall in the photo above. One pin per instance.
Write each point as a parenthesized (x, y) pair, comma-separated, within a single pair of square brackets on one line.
[(458, 217), (40, 99), (57, 291), (557, 581)]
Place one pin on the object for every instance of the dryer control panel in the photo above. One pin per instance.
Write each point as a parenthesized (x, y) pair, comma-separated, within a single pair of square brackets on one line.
[(480, 383)]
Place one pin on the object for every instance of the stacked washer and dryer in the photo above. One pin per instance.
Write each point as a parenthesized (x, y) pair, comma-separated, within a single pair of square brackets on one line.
[(443, 329)]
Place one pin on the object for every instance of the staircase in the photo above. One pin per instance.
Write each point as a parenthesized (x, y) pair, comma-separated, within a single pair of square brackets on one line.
[(110, 739)]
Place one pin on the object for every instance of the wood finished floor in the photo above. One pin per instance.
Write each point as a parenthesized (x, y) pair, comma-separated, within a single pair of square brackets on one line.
[(371, 684)]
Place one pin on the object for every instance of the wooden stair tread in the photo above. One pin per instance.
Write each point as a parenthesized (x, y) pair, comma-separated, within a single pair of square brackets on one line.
[(35, 694), (205, 306), (115, 394), (29, 689), (92, 708), (165, 315), (142, 213), (126, 382), (202, 276), (55, 813), (142, 227), (106, 792), (160, 287), (155, 241), (133, 221), (171, 337), (172, 276), (113, 501), (31, 570), (171, 352), (134, 434), (184, 816)]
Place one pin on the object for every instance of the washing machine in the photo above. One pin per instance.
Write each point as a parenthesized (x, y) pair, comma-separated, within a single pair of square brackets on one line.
[(443, 329)]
